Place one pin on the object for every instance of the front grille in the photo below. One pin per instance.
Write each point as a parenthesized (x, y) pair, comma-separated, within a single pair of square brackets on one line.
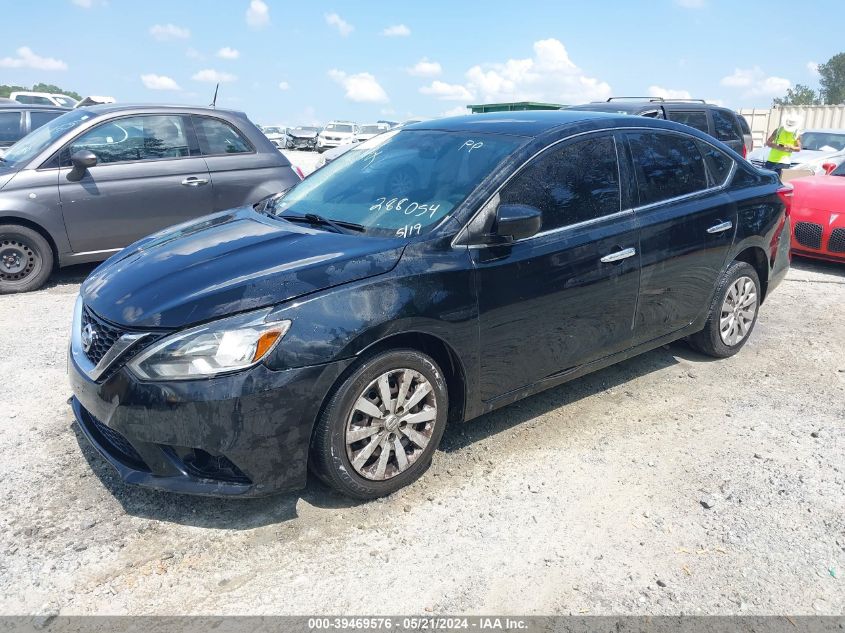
[(118, 445), (105, 335), (836, 243), (808, 234)]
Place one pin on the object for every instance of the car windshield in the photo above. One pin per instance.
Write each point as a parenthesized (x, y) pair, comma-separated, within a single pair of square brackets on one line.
[(338, 127), (37, 141), (400, 183), (823, 141), (64, 101), (272, 130), (371, 129)]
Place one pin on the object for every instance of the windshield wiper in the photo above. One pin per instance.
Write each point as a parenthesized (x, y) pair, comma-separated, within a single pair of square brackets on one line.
[(338, 226)]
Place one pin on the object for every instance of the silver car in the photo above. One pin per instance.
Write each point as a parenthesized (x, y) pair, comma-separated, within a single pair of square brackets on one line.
[(96, 179)]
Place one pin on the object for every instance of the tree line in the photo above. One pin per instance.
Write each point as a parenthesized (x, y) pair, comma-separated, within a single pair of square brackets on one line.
[(6, 90), (831, 86)]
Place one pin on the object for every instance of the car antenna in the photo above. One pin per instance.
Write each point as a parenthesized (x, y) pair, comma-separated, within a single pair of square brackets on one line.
[(213, 103)]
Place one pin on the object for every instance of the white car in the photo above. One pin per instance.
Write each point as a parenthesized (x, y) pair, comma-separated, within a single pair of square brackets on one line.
[(337, 133), (369, 130), (277, 134), (818, 147), (44, 98)]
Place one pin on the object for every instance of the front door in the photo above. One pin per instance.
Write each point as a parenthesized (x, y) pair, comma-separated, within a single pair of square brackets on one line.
[(567, 295), (149, 175)]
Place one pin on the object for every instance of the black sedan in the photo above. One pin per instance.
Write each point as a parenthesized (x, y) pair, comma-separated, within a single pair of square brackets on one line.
[(426, 277)]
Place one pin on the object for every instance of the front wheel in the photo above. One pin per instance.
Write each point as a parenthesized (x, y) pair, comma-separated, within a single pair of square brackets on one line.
[(733, 315), (26, 259), (382, 425)]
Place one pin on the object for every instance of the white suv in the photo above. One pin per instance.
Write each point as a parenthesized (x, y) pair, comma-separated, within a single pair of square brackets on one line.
[(337, 133), (44, 98)]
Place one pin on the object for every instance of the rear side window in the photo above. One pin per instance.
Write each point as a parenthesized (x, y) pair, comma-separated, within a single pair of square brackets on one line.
[(37, 119), (10, 126), (667, 165), (724, 126), (217, 137), (693, 118), (718, 163), (575, 183)]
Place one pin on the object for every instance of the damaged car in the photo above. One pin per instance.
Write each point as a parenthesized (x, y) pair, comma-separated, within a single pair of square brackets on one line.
[(340, 326), (302, 137)]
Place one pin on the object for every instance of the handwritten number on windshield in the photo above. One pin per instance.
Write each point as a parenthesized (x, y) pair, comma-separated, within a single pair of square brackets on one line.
[(401, 204)]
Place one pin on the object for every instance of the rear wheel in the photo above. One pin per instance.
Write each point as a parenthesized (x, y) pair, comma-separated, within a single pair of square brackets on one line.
[(382, 425), (733, 315), (26, 259)]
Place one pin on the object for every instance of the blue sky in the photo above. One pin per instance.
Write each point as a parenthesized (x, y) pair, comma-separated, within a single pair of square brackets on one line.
[(307, 62)]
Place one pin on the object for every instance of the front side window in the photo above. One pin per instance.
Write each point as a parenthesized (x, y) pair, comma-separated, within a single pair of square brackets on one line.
[(693, 118), (575, 183), (400, 183), (10, 126), (218, 137), (724, 128), (148, 137), (667, 165)]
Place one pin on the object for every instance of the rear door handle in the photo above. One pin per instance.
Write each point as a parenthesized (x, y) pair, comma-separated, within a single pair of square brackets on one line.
[(721, 227), (619, 255), (193, 181)]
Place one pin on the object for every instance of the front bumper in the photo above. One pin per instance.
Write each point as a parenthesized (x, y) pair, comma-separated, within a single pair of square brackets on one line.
[(245, 434), (302, 143)]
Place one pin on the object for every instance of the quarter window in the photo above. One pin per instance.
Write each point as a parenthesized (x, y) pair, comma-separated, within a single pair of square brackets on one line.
[(718, 163), (10, 126), (693, 118), (217, 137), (575, 183), (151, 137), (667, 166), (724, 126)]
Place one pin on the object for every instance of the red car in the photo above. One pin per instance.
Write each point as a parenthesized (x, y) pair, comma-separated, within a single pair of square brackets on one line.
[(818, 216)]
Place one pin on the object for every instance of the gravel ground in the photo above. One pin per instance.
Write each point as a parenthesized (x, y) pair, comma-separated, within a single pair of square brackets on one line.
[(667, 484)]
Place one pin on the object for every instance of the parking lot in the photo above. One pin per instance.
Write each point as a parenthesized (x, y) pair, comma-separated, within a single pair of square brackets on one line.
[(671, 483)]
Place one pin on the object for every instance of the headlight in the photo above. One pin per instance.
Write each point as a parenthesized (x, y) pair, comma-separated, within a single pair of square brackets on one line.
[(222, 346)]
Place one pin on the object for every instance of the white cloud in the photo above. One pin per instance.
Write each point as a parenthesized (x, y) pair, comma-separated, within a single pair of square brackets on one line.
[(193, 53), (159, 82), (456, 111), (425, 68), (361, 87), (213, 76), (691, 4), (283, 85), (549, 75), (396, 30), (447, 92), (756, 82), (26, 58), (258, 14), (166, 32), (813, 67), (668, 93), (228, 53), (343, 27)]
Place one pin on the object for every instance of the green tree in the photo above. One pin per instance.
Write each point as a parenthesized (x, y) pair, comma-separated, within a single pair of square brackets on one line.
[(832, 80), (5, 90), (800, 95)]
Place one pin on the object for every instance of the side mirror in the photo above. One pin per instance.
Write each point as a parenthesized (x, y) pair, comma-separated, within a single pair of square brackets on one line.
[(83, 159), (828, 168), (517, 221)]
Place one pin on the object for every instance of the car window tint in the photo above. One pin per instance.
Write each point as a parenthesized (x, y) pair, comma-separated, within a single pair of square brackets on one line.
[(10, 126), (577, 182), (149, 137), (218, 137), (37, 119), (667, 165), (724, 127), (718, 163), (693, 118)]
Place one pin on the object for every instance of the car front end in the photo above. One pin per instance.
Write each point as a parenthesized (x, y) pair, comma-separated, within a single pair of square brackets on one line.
[(818, 217)]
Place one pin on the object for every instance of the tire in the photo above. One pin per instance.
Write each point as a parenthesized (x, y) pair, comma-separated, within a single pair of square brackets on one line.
[(26, 259), (355, 468), (740, 278)]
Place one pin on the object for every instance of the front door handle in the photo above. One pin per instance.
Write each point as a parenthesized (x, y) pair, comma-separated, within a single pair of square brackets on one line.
[(193, 181), (721, 227), (619, 255)]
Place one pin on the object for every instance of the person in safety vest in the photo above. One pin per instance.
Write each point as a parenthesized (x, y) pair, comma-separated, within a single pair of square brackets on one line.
[(782, 143)]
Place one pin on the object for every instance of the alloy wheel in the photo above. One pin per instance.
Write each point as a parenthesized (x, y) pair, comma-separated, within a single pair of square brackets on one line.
[(738, 311), (390, 424)]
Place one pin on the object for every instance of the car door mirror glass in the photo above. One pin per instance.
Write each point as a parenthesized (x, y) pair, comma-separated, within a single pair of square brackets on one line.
[(83, 159), (517, 221)]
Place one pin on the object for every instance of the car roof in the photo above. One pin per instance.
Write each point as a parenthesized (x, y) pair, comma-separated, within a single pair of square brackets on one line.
[(519, 123), (16, 105), (108, 108)]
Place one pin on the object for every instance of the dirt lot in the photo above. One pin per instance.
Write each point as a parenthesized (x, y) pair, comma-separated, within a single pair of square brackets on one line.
[(589, 498)]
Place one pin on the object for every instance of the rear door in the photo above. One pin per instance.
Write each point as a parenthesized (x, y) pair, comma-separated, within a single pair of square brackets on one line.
[(566, 296), (149, 175), (687, 224)]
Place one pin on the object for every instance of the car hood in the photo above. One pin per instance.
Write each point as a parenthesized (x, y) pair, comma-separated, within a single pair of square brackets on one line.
[(226, 263), (805, 155), (825, 194), (302, 134)]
